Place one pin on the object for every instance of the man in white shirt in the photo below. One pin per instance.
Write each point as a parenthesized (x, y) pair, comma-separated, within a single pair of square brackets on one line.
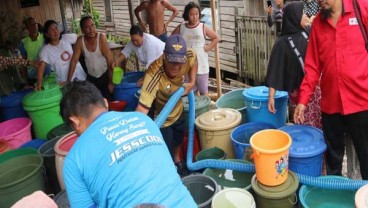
[(146, 46)]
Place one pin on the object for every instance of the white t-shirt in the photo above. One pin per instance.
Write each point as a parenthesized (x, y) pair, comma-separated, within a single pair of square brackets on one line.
[(59, 58), (151, 49)]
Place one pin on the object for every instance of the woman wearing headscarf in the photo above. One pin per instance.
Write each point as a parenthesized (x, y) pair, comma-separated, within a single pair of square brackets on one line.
[(286, 65)]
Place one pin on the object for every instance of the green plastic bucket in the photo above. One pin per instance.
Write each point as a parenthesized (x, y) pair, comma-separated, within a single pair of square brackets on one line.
[(19, 177), (16, 153), (313, 197), (202, 188), (281, 196), (44, 110), (202, 105), (235, 100), (229, 178), (59, 131), (211, 153), (47, 152)]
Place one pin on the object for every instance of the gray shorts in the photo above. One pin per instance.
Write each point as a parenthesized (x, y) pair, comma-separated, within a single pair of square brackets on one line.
[(201, 84)]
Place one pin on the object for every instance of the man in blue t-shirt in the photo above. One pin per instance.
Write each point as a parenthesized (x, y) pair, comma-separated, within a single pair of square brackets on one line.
[(120, 158)]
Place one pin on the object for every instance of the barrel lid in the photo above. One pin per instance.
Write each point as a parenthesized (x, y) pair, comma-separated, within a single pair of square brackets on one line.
[(200, 102), (260, 93), (308, 141), (361, 197), (287, 188), (59, 130), (218, 119), (43, 97)]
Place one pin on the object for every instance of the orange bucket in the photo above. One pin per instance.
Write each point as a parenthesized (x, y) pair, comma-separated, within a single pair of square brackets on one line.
[(271, 156)]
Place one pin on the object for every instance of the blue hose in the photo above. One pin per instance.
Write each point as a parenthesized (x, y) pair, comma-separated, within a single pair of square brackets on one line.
[(243, 167)]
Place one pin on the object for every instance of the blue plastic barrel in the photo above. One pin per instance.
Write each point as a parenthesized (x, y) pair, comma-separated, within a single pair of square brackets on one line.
[(240, 136), (306, 150), (11, 105), (127, 89), (256, 99), (34, 143)]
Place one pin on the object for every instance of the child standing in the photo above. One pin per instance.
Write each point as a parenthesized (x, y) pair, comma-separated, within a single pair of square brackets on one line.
[(194, 34)]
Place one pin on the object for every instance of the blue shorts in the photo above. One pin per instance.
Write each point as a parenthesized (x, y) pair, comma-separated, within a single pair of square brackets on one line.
[(174, 134), (163, 37)]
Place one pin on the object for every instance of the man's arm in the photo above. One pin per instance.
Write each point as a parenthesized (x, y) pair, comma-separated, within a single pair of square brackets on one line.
[(137, 10), (77, 51), (176, 30), (174, 10), (40, 72), (105, 50), (192, 77), (142, 109)]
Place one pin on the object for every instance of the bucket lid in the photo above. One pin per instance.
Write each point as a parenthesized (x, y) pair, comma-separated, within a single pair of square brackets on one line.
[(288, 188), (218, 119), (307, 140), (361, 197), (234, 197), (59, 130), (41, 99), (260, 93), (200, 102)]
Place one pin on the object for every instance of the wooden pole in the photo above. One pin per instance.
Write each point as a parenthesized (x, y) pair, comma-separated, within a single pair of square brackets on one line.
[(217, 55)]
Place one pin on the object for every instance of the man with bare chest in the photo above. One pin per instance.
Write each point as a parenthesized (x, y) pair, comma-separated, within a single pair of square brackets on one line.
[(156, 17), (98, 58)]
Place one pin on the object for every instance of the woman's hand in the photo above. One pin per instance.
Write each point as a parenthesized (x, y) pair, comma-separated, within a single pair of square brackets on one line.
[(299, 114), (271, 105)]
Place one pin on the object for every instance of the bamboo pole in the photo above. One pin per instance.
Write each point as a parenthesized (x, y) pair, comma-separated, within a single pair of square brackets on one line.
[(217, 55)]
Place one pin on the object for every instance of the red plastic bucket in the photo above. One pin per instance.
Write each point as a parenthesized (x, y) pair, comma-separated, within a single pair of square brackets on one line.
[(62, 147), (16, 132)]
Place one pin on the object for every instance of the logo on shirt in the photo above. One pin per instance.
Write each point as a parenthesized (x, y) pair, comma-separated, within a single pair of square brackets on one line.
[(353, 21)]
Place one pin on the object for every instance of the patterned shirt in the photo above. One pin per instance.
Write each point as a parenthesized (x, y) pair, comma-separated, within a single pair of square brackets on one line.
[(6, 62)]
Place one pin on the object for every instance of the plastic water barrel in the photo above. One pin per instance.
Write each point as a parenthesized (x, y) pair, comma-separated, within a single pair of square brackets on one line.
[(16, 131), (235, 100), (62, 147), (11, 105), (256, 99), (47, 152), (61, 199), (43, 108), (270, 153), (233, 197), (282, 196), (127, 89), (311, 197), (34, 143), (226, 178), (214, 129), (240, 137), (202, 188), (307, 149), (202, 105), (59, 131), (20, 176)]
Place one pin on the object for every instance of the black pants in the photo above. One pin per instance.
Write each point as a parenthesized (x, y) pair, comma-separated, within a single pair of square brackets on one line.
[(102, 84), (335, 127), (174, 135)]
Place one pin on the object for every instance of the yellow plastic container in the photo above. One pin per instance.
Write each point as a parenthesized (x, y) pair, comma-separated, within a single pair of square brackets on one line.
[(271, 156)]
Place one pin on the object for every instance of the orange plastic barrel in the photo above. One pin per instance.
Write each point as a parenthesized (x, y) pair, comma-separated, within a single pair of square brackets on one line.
[(271, 156)]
